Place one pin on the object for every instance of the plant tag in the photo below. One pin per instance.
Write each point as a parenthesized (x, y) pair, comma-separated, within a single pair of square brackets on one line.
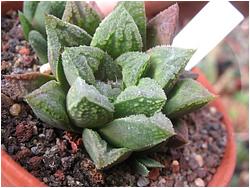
[(210, 26)]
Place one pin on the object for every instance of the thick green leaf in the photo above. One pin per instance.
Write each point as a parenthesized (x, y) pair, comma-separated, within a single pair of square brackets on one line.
[(55, 8), (161, 29), (167, 63), (138, 132), (94, 56), (137, 10), (61, 34), (79, 67), (133, 64), (29, 9), (48, 103), (150, 163), (117, 33), (100, 62), (61, 78), (186, 96), (146, 98), (39, 45), (140, 168), (81, 14), (26, 25), (107, 90), (26, 83), (87, 107), (100, 152)]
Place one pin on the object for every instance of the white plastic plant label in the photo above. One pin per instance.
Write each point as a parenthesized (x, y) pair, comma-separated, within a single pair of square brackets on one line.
[(207, 29)]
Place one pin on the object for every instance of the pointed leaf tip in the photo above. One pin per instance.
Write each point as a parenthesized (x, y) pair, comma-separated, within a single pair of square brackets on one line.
[(167, 63), (117, 33), (138, 132), (87, 107), (161, 29), (186, 96), (103, 155), (146, 98)]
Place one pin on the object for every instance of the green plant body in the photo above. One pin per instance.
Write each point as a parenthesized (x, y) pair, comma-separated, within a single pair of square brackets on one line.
[(109, 86)]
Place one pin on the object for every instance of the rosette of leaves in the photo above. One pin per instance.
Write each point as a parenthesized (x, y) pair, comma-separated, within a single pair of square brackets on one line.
[(108, 87)]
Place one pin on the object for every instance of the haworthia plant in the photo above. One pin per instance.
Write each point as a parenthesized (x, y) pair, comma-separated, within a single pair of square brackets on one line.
[(187, 95), (108, 87)]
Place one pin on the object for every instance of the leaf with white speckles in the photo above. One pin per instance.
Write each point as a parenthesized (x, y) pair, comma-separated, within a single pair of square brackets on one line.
[(81, 14), (137, 10), (100, 152), (117, 33), (87, 107), (43, 8), (48, 103), (186, 96), (138, 132), (146, 98), (77, 67), (134, 65), (61, 34), (167, 63)]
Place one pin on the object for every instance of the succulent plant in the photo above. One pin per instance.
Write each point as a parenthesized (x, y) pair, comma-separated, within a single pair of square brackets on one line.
[(111, 87)]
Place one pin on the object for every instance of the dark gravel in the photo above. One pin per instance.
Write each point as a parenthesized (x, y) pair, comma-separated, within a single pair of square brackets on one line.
[(58, 157)]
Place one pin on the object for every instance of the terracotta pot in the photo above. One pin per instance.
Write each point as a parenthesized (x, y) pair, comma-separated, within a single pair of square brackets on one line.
[(12, 174)]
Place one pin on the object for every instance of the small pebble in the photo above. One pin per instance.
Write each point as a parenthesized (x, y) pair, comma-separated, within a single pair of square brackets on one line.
[(142, 181), (35, 132), (15, 109), (199, 182), (213, 110), (24, 51), (199, 160), (175, 166), (162, 182), (45, 68), (41, 135)]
